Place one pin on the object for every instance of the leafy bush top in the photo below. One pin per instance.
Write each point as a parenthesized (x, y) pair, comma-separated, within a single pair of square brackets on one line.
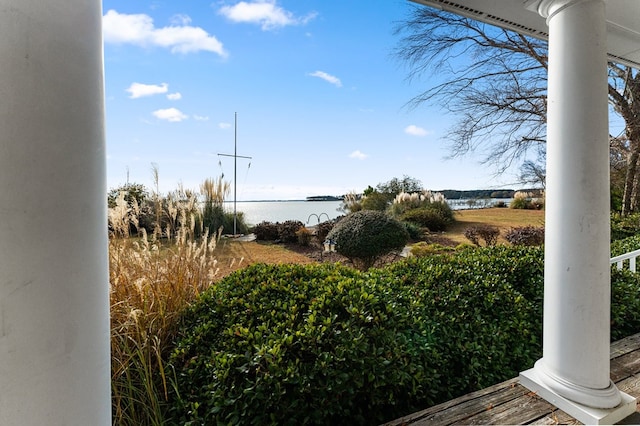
[(326, 344), (366, 235)]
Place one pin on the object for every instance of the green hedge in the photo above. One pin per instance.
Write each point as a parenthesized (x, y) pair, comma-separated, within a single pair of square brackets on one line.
[(327, 344), (302, 345)]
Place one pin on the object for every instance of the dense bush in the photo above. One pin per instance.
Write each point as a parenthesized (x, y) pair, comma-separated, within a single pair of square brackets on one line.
[(525, 235), (624, 226), (266, 231), (487, 233), (322, 344), (366, 235), (303, 345), (326, 344), (625, 303), (431, 219), (287, 230), (625, 245)]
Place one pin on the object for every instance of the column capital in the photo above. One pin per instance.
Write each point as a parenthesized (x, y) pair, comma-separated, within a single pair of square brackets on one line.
[(548, 8)]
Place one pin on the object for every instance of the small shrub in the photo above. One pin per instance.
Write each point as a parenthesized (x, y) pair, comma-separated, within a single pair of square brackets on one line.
[(287, 230), (525, 235), (375, 201), (304, 236), (364, 236), (500, 204), (433, 220), (526, 200), (266, 231), (487, 233)]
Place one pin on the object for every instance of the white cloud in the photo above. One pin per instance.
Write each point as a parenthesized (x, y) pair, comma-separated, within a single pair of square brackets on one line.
[(172, 115), (138, 29), (180, 19), (224, 125), (201, 118), (266, 13), (327, 77), (174, 96), (414, 130), (358, 155), (139, 90)]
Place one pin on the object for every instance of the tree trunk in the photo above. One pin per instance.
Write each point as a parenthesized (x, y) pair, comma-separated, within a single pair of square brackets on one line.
[(629, 183)]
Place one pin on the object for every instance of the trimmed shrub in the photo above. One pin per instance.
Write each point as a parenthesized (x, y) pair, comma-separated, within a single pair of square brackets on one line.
[(487, 233), (313, 344), (326, 344), (525, 235), (266, 231), (365, 236), (287, 230)]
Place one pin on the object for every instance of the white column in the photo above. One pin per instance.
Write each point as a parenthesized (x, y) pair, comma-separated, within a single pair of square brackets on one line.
[(575, 363), (54, 300)]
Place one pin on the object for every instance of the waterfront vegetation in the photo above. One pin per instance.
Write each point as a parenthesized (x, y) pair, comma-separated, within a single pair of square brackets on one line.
[(209, 330)]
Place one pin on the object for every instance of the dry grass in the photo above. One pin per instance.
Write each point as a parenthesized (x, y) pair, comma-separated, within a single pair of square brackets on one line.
[(233, 255), (149, 287), (502, 218)]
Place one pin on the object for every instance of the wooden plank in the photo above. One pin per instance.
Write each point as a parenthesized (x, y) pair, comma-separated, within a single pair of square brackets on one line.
[(467, 409), (558, 417), (522, 410), (630, 385), (625, 366), (510, 403), (625, 346), (411, 418)]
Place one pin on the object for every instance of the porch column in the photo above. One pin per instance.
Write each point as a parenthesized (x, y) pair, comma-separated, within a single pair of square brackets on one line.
[(573, 373), (54, 300)]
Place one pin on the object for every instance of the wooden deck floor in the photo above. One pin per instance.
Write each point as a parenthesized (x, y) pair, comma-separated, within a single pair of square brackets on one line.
[(509, 403)]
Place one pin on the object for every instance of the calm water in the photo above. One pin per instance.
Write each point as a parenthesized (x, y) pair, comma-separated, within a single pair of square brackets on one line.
[(308, 212)]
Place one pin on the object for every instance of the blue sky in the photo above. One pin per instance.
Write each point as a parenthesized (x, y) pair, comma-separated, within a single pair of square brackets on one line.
[(320, 99)]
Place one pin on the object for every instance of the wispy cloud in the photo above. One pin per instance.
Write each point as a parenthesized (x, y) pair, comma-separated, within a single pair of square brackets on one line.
[(139, 30), (180, 19), (327, 77), (414, 130), (358, 155), (139, 90), (172, 115), (174, 96), (265, 13), (224, 125), (201, 118)]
